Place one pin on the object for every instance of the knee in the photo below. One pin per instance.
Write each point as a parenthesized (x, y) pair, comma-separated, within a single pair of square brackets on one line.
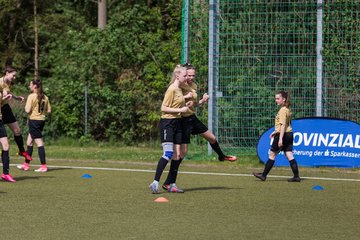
[(168, 155), (17, 132), (5, 146)]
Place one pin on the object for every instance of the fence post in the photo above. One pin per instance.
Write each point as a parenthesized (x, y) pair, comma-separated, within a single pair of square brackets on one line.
[(213, 67), (319, 59), (185, 32)]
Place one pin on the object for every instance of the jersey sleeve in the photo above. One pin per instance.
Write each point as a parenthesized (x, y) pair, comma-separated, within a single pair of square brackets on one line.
[(168, 98), (28, 104), (282, 116)]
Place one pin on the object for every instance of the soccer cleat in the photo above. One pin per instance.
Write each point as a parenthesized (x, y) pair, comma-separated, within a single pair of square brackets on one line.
[(228, 158), (174, 189), (259, 176), (294, 179), (24, 167), (26, 155), (154, 187), (8, 178), (166, 186), (41, 169)]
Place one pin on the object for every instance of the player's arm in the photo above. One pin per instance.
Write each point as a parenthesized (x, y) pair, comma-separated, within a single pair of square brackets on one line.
[(173, 110), (17, 98), (48, 108), (28, 105), (204, 99)]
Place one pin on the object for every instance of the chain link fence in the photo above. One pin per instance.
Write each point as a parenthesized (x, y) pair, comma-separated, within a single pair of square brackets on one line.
[(307, 47)]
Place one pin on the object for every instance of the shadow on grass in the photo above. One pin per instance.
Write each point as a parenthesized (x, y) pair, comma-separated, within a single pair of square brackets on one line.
[(57, 169), (208, 188), (25, 178)]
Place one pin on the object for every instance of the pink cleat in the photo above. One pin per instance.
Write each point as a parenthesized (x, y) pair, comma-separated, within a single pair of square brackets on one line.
[(25, 155), (8, 178), (42, 169), (24, 167)]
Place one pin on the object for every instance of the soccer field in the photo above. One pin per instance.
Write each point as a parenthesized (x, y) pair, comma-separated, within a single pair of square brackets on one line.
[(219, 203)]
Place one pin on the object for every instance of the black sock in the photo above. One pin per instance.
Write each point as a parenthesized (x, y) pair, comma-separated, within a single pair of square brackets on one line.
[(174, 170), (5, 161), (269, 164), (215, 146), (20, 143), (294, 167), (41, 151), (168, 179), (160, 168), (29, 151)]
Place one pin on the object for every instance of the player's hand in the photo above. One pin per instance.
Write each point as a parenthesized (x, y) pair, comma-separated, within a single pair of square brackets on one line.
[(21, 99), (280, 143), (205, 97), (189, 104), (189, 95), (7, 96)]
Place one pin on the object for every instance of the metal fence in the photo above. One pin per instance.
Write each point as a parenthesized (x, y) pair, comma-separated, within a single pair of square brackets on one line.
[(245, 50)]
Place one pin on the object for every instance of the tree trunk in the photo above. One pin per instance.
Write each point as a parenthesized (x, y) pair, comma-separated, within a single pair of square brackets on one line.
[(102, 14), (36, 49)]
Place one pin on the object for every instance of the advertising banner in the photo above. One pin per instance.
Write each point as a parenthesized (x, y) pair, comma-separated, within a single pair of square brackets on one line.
[(318, 142)]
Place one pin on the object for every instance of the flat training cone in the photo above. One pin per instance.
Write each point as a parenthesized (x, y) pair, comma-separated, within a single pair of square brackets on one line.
[(86, 176), (318, 187), (161, 199)]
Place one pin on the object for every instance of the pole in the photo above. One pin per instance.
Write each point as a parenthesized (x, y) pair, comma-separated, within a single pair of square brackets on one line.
[(213, 65), (319, 59), (185, 32)]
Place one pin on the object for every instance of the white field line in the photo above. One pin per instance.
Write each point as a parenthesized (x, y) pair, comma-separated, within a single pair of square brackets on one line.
[(196, 173)]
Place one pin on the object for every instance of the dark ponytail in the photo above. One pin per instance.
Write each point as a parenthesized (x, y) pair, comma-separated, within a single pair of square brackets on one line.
[(286, 95)]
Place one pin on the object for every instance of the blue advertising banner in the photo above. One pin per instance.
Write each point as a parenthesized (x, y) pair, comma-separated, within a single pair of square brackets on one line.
[(318, 142)]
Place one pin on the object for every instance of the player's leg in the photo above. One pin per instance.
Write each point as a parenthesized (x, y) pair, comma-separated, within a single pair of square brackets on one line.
[(183, 151), (41, 151), (288, 147), (15, 128), (26, 165), (6, 160), (274, 150), (294, 167), (163, 161), (216, 147), (167, 133), (173, 172)]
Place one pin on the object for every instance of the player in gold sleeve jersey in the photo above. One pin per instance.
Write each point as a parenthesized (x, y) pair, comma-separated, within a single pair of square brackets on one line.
[(170, 128), (283, 138), (5, 148), (8, 116), (37, 106), (192, 125)]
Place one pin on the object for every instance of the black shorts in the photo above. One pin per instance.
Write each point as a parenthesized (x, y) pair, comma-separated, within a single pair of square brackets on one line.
[(287, 143), (170, 130), (35, 128), (192, 126), (7, 114), (2, 130)]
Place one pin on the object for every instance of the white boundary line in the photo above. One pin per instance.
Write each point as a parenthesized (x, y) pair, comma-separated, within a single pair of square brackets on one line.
[(195, 173)]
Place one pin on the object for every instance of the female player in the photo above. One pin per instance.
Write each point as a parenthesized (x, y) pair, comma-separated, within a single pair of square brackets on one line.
[(8, 116), (283, 138), (5, 148), (37, 106), (170, 127), (192, 125)]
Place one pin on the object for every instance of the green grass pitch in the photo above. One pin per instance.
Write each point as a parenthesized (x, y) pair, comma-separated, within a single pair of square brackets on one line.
[(117, 204)]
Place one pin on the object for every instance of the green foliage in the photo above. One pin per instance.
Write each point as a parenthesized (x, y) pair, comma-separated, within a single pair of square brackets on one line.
[(125, 67)]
